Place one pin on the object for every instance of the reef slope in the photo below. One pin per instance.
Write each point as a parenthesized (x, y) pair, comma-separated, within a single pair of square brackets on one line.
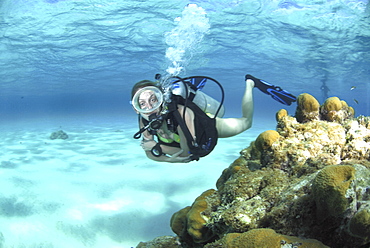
[(305, 184)]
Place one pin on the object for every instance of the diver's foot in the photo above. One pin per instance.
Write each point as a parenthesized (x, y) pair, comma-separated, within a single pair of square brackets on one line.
[(249, 76), (250, 82), (275, 92), (257, 83)]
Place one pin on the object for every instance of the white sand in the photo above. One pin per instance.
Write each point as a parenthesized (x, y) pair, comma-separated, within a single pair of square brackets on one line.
[(97, 188)]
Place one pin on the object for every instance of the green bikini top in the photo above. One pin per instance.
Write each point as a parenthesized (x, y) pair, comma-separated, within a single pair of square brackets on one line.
[(176, 138)]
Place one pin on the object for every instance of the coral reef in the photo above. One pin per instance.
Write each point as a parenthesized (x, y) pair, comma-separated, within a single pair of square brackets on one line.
[(263, 237), (280, 114), (329, 190), (190, 222), (179, 221), (334, 109), (307, 184), (307, 108), (161, 242), (359, 225), (266, 139), (58, 135)]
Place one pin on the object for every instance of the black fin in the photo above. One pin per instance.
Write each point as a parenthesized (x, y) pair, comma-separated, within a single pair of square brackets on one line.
[(275, 92), (198, 82)]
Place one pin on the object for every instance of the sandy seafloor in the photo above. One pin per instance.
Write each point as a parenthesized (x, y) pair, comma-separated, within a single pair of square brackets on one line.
[(97, 188)]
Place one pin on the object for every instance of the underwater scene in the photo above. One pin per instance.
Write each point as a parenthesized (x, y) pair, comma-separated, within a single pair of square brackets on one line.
[(73, 172)]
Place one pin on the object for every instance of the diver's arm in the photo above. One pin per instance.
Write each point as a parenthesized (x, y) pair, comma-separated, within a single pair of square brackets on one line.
[(175, 158), (171, 154)]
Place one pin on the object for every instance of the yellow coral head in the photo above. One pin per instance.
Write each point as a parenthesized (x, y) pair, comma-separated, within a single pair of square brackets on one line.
[(266, 139), (332, 104), (307, 102), (280, 114)]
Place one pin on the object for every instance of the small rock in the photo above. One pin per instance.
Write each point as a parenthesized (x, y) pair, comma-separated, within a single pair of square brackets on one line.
[(59, 135)]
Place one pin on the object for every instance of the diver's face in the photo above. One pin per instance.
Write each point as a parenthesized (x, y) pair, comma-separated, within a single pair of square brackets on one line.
[(147, 101)]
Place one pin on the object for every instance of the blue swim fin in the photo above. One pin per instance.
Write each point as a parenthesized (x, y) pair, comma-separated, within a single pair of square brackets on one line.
[(275, 92)]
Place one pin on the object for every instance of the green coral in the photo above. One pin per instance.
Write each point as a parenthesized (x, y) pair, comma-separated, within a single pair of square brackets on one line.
[(329, 190), (359, 226)]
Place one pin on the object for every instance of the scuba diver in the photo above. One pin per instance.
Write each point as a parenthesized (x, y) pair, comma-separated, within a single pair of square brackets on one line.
[(179, 123), (324, 89)]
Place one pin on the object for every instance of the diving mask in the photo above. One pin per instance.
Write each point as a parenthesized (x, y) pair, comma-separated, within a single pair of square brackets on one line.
[(147, 99)]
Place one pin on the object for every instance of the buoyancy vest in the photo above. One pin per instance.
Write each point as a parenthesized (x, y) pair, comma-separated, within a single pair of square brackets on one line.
[(205, 128)]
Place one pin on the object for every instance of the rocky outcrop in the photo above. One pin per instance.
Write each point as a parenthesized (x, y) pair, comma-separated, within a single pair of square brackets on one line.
[(307, 184)]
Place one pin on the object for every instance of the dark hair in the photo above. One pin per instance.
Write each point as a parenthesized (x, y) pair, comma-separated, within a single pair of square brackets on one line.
[(142, 84)]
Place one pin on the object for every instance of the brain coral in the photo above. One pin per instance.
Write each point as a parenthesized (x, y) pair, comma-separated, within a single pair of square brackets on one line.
[(179, 222), (196, 220), (307, 109), (264, 237), (280, 114), (336, 110), (265, 139), (329, 190), (190, 222)]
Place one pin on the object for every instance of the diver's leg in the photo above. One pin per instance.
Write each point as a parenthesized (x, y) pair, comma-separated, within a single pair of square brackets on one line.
[(227, 127)]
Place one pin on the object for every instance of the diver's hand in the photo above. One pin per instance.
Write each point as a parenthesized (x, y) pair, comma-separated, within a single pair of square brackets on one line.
[(147, 145), (175, 158)]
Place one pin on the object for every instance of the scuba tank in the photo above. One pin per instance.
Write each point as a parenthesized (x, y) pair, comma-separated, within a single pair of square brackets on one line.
[(206, 103)]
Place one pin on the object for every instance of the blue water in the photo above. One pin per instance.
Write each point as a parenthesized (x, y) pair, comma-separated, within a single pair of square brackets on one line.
[(61, 56), (73, 60)]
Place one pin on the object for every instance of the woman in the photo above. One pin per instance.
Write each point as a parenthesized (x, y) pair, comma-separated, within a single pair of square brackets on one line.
[(172, 137)]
